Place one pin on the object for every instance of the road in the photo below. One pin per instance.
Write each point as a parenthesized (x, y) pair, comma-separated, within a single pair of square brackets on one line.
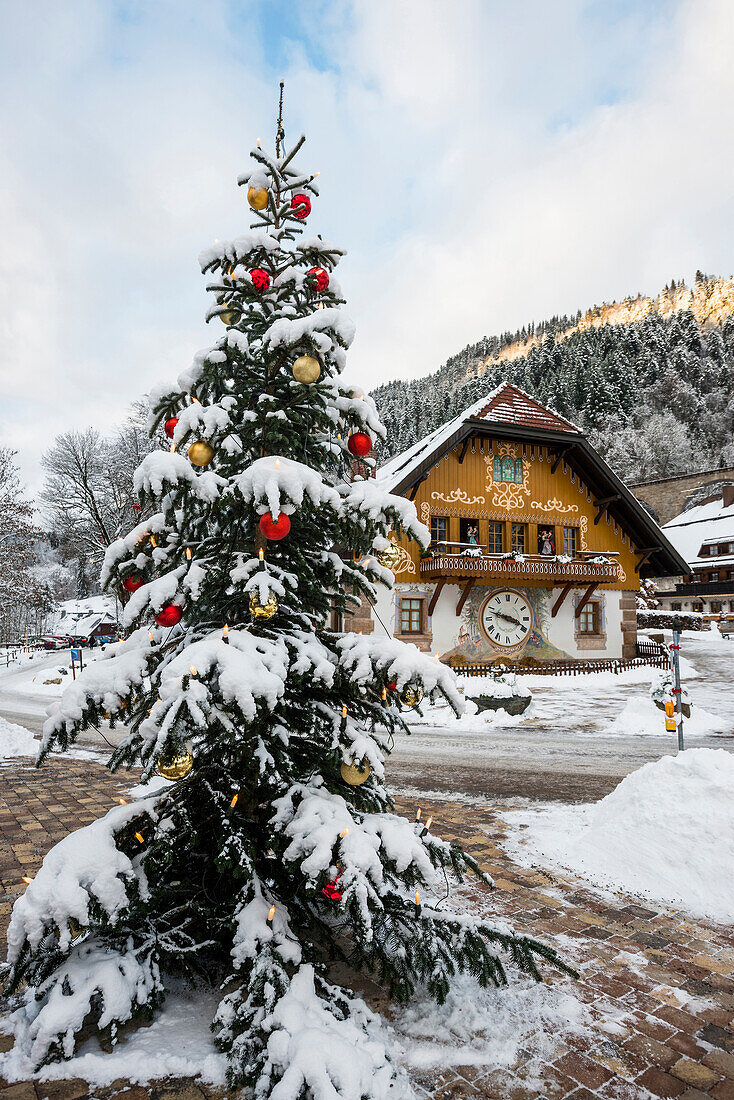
[(563, 753)]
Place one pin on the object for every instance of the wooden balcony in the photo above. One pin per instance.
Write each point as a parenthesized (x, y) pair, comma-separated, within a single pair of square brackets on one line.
[(583, 568)]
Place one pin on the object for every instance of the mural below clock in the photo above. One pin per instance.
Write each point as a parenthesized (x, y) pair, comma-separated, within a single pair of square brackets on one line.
[(507, 622)]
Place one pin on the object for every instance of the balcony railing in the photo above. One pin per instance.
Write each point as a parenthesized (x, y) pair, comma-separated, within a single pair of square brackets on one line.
[(703, 588), (477, 563)]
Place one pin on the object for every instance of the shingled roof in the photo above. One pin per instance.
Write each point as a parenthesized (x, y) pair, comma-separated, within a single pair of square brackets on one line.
[(510, 405)]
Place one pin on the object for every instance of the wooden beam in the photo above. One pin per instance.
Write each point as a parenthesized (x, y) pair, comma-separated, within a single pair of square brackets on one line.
[(644, 555), (416, 486), (436, 593), (464, 595), (602, 505), (560, 455), (462, 453), (585, 598), (560, 601)]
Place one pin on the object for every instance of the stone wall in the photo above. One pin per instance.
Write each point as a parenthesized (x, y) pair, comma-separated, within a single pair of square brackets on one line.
[(668, 496)]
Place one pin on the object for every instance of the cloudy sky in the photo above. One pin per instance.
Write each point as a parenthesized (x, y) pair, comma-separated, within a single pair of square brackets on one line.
[(485, 163)]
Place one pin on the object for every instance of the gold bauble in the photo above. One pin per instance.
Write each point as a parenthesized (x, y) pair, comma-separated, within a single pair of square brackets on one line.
[(354, 774), (306, 369), (201, 453), (175, 765), (389, 557), (411, 696), (260, 610), (230, 316), (257, 197)]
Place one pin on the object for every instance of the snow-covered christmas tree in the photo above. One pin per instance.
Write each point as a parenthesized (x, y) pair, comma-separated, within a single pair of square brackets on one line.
[(275, 850)]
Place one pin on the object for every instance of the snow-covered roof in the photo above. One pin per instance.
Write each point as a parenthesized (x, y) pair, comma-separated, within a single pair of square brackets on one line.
[(708, 523), (507, 404), (83, 627)]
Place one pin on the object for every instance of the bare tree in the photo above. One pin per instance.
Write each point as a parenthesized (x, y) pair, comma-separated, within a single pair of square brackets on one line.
[(22, 597)]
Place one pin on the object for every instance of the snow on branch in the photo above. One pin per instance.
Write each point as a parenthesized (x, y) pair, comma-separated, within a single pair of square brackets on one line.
[(279, 485), (86, 865), (371, 500), (203, 420), (327, 1046), (364, 656), (102, 685), (162, 470), (93, 979), (250, 247), (332, 322)]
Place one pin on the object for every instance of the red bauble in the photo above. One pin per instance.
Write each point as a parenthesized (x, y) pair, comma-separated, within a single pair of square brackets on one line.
[(359, 444), (132, 584), (275, 529), (170, 426), (260, 279), (392, 686), (301, 206), (330, 891), (318, 277), (137, 508), (169, 615)]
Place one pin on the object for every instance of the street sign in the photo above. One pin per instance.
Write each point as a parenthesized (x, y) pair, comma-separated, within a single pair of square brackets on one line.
[(75, 655)]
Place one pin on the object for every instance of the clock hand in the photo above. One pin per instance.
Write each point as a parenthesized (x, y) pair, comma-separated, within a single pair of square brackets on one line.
[(508, 618)]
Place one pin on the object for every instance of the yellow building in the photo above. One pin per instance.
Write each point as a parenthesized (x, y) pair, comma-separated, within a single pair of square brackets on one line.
[(537, 548)]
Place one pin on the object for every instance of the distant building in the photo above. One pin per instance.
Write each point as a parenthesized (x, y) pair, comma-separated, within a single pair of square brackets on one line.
[(94, 629), (704, 536), (537, 548)]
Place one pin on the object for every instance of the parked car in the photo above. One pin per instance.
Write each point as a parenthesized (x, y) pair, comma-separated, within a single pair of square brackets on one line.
[(54, 641)]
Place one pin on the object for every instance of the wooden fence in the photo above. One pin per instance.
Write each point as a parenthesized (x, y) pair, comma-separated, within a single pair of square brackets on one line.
[(648, 654)]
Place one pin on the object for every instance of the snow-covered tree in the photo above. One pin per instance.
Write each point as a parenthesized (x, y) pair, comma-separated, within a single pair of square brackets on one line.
[(277, 850), (22, 596)]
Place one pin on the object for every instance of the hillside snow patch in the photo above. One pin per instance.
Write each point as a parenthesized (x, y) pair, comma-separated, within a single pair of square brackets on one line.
[(665, 833)]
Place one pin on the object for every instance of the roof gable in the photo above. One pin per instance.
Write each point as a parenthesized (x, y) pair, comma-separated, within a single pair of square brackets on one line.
[(510, 405)]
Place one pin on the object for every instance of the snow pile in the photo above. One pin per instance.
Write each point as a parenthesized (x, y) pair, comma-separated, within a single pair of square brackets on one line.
[(666, 833), (501, 686), (641, 718), (15, 741)]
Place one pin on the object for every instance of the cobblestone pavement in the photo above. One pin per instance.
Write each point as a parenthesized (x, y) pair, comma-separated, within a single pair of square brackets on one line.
[(659, 987)]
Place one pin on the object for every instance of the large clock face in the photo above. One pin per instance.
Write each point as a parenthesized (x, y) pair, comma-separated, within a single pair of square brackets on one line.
[(507, 618)]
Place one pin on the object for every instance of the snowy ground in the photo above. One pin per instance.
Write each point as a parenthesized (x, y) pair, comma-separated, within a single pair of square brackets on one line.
[(579, 738), (25, 696)]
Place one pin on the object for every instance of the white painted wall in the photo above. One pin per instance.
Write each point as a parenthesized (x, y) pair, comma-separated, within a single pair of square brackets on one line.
[(559, 632)]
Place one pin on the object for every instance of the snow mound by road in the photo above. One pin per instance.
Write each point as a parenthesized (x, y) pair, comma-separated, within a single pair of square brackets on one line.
[(15, 741), (665, 833), (640, 717)]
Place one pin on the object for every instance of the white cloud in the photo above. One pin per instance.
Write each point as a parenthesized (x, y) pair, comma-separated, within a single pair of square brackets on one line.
[(484, 164)]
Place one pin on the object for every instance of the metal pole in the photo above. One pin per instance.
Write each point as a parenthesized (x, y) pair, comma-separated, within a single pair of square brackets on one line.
[(676, 679)]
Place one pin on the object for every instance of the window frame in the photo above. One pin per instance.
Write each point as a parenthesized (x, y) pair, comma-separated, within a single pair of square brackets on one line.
[(420, 608), (592, 608), (437, 520), (522, 529), (492, 525), (574, 531)]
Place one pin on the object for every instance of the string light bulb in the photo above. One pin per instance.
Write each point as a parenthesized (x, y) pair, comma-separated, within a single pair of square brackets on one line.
[(151, 636), (188, 553), (192, 670), (122, 801), (417, 903), (27, 880), (428, 823), (343, 833), (418, 814), (233, 803), (344, 712), (277, 464), (271, 914), (153, 541), (139, 837), (225, 633), (261, 554)]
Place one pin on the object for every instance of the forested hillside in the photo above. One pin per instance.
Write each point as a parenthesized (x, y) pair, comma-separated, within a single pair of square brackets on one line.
[(650, 379)]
